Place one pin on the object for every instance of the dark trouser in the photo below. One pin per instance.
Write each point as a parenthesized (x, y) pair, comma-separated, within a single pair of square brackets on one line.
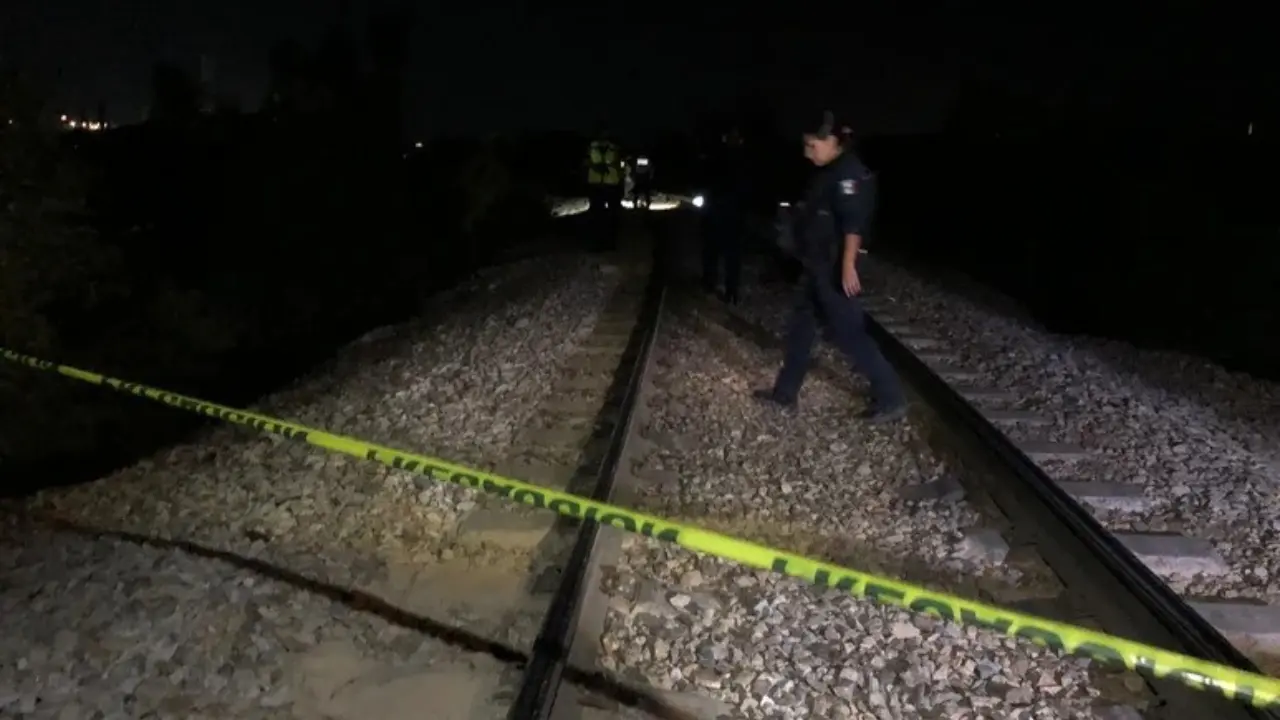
[(641, 194), (722, 240), (847, 323), (605, 205)]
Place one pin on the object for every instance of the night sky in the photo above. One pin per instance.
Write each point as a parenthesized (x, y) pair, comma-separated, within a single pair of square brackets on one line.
[(514, 65)]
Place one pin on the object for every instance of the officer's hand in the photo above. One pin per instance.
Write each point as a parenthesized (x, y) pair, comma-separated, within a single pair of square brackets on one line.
[(849, 280)]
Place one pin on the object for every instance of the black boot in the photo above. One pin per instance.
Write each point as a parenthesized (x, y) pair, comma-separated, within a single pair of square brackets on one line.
[(877, 415), (772, 397)]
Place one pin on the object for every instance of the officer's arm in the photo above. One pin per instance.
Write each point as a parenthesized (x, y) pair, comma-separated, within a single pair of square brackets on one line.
[(851, 216)]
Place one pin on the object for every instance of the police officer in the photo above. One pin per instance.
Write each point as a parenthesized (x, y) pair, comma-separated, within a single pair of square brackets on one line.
[(725, 224), (835, 217), (642, 188), (604, 189)]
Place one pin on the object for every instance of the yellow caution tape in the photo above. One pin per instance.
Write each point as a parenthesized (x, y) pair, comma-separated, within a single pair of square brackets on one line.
[(1251, 688)]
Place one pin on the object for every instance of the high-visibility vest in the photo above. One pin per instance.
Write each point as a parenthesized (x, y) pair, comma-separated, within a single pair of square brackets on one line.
[(602, 165)]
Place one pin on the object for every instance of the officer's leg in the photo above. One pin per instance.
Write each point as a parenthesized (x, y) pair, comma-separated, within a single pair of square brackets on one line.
[(617, 214), (801, 331), (595, 207), (605, 236), (616, 226), (849, 331), (710, 252), (598, 212), (610, 238), (733, 242)]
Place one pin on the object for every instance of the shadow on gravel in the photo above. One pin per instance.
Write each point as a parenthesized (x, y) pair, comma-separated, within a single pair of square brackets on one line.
[(361, 601)]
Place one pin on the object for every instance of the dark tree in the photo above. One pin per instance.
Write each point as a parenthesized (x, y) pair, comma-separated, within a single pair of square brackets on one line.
[(987, 110), (388, 43), (287, 94), (175, 95), (336, 69)]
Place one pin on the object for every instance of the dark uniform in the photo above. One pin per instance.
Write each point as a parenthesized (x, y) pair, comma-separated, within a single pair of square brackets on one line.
[(642, 184), (604, 191), (725, 225), (839, 201)]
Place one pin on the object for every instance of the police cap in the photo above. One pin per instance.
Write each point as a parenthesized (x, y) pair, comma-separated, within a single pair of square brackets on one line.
[(828, 126)]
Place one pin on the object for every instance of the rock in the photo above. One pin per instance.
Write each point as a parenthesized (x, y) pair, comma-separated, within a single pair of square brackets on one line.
[(904, 631)]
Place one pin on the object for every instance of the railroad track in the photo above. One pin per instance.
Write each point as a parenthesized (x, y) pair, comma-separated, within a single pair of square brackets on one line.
[(559, 642), (575, 443), (1106, 585), (1187, 495), (585, 622), (475, 591), (1082, 575), (1102, 581)]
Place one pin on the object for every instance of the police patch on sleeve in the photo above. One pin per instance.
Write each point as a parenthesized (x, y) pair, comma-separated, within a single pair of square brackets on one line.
[(849, 187)]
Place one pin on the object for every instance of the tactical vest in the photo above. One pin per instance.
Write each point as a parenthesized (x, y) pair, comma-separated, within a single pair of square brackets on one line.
[(603, 167)]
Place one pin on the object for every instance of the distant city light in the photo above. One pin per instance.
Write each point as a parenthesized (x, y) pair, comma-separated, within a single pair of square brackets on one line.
[(418, 145), (90, 125)]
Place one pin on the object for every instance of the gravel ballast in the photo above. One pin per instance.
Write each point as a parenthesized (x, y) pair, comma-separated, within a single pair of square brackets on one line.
[(1203, 443), (756, 645), (100, 627), (817, 481), (457, 385)]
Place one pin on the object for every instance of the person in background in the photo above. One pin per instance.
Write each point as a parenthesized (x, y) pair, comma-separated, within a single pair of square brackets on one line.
[(829, 234), (604, 190), (642, 183), (628, 182), (724, 228)]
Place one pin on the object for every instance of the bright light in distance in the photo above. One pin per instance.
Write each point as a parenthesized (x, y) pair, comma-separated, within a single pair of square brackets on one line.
[(784, 204), (655, 205), (90, 125), (63, 118), (564, 207), (698, 201), (642, 161), (418, 145)]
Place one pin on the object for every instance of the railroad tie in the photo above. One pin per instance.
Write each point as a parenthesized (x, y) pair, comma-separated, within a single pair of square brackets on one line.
[(1109, 496), (1174, 556)]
